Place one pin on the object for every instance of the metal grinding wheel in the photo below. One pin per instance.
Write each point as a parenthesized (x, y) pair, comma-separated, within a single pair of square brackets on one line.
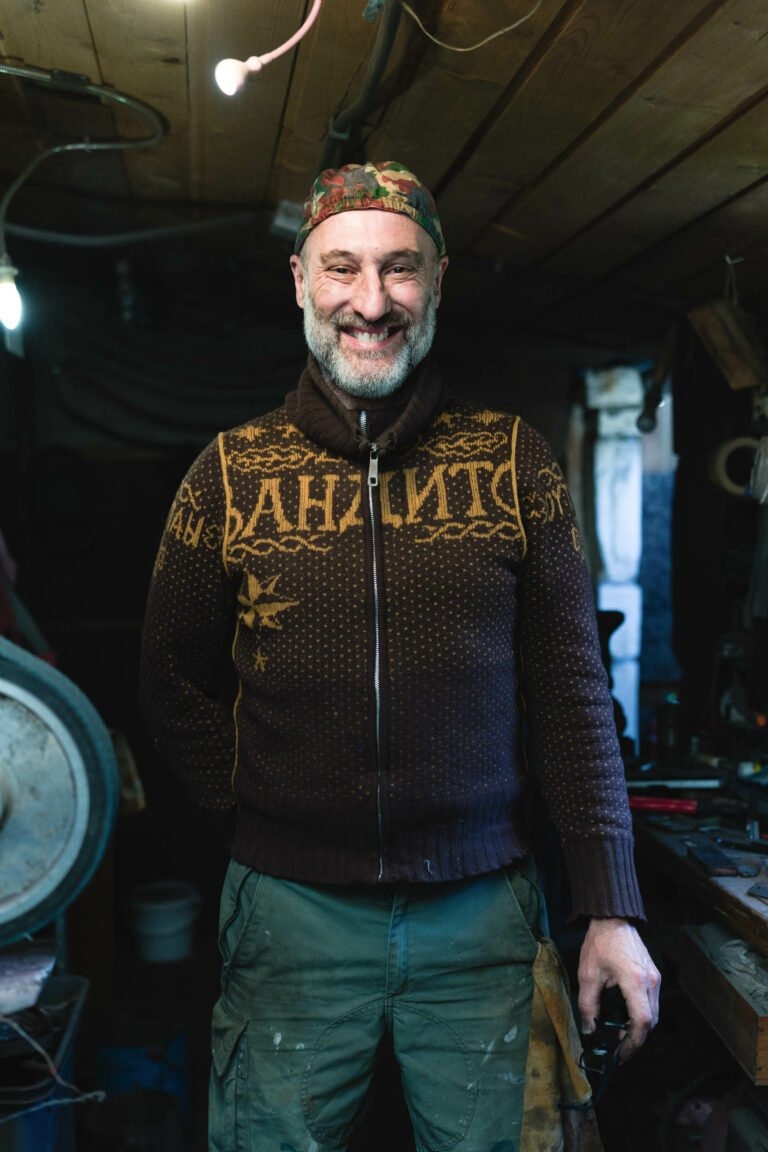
[(59, 788)]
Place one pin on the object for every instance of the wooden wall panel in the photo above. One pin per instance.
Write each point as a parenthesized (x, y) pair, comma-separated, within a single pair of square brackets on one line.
[(142, 51), (233, 139), (720, 66), (453, 92), (715, 172), (692, 263), (49, 36), (601, 49), (686, 269)]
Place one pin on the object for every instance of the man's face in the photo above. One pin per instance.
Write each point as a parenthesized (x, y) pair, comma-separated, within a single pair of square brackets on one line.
[(369, 283)]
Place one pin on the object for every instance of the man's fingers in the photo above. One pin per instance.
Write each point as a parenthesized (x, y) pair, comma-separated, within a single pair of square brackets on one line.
[(592, 990), (614, 954), (589, 1010), (643, 1012), (637, 1034)]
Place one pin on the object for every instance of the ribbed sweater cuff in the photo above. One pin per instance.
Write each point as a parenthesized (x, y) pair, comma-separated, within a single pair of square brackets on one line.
[(603, 878)]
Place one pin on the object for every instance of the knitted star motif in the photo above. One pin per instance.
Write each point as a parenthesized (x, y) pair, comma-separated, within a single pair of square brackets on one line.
[(258, 610)]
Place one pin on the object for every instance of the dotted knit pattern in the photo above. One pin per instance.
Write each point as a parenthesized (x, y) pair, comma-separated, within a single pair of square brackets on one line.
[(360, 675)]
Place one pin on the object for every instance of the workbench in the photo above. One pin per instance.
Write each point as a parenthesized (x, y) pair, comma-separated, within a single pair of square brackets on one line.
[(726, 896), (722, 962)]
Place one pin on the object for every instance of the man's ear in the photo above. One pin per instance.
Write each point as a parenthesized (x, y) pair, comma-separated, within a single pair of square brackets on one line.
[(439, 273), (298, 279)]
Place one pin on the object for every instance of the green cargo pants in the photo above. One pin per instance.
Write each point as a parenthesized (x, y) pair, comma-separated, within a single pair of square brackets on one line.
[(314, 976)]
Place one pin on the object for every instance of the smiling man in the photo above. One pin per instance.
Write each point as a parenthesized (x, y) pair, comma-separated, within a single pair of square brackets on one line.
[(370, 308), (369, 612)]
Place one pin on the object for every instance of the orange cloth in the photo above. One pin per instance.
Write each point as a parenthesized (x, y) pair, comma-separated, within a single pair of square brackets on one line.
[(553, 1076)]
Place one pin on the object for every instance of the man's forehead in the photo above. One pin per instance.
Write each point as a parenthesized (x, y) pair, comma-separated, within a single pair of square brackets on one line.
[(368, 232), (342, 255)]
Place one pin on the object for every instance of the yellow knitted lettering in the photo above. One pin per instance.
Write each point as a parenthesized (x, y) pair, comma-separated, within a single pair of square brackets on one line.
[(555, 494), (176, 523), (473, 468), (188, 530), (416, 497), (387, 515), (193, 529), (352, 518), (325, 503), (499, 475), (269, 503)]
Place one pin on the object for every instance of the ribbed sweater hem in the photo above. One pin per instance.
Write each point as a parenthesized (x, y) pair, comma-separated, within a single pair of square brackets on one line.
[(299, 854), (602, 875)]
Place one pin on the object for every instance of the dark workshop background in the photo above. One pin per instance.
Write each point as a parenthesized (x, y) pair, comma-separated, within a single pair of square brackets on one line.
[(601, 174)]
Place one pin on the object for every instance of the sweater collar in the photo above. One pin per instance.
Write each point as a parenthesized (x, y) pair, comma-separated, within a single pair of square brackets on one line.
[(315, 408)]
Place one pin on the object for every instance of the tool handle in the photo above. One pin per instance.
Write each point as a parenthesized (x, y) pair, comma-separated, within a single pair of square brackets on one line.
[(613, 1009), (601, 1047)]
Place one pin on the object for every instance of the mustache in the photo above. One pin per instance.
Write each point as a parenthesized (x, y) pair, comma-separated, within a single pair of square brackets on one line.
[(392, 318)]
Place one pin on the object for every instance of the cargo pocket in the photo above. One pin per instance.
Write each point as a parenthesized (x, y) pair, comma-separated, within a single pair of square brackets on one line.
[(239, 899), (227, 1114), (525, 899), (226, 1031)]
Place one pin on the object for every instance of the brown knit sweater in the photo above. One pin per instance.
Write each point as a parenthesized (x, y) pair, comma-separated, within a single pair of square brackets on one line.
[(359, 665)]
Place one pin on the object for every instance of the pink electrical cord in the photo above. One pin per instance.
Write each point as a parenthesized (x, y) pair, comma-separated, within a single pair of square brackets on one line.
[(270, 56), (232, 74)]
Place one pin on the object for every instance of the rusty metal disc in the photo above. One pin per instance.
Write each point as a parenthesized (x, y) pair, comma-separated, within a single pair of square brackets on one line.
[(58, 792)]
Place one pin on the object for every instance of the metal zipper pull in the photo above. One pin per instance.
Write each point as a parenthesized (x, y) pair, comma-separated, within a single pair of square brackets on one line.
[(373, 463), (373, 467)]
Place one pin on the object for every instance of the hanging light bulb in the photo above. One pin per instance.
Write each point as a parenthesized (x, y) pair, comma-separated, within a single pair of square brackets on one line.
[(231, 75), (10, 300)]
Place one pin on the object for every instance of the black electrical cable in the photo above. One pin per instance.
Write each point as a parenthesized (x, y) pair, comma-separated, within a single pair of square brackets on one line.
[(63, 81), (122, 239), (342, 125)]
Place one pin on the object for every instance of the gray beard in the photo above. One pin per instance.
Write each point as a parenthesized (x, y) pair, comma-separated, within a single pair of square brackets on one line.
[(383, 375)]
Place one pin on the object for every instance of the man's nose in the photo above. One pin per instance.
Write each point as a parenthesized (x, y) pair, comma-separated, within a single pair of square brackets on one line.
[(370, 298)]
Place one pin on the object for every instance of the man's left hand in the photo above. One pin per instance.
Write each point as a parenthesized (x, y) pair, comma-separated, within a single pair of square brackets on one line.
[(613, 953)]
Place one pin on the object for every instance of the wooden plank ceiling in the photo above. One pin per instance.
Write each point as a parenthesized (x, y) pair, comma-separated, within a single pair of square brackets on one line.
[(594, 166)]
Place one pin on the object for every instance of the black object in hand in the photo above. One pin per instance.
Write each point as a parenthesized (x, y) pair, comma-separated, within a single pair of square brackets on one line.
[(601, 1047)]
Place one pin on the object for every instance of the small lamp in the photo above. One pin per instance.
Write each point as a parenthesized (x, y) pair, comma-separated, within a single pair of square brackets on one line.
[(231, 75), (10, 300)]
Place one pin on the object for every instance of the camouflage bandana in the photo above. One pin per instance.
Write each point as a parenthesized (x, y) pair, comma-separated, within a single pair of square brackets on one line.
[(389, 187)]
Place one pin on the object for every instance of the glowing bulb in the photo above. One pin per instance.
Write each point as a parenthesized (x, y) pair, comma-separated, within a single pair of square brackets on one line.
[(10, 300), (231, 75)]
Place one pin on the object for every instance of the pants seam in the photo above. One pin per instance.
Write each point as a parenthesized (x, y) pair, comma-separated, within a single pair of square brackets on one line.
[(321, 1134), (466, 1121)]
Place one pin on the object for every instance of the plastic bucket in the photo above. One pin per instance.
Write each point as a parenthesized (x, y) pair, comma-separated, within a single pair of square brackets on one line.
[(160, 1065), (163, 915)]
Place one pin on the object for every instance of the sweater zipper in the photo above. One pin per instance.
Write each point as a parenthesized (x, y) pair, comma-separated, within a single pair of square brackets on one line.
[(373, 483)]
